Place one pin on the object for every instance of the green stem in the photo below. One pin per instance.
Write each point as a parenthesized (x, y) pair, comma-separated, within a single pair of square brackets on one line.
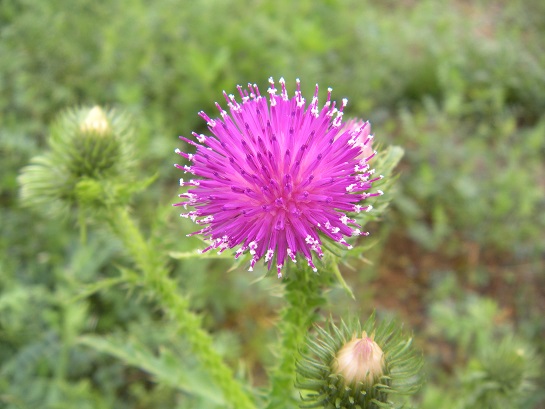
[(304, 297), (82, 226), (155, 278)]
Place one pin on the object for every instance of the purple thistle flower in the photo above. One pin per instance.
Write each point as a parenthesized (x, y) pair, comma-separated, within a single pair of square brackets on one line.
[(277, 176)]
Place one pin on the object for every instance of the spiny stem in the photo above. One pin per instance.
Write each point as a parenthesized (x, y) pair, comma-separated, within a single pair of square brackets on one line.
[(304, 298), (155, 279)]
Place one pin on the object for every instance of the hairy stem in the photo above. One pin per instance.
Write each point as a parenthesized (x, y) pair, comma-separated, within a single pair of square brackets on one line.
[(304, 297), (155, 279)]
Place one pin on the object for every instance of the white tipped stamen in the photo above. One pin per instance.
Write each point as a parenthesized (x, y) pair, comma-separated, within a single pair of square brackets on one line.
[(291, 255), (269, 255)]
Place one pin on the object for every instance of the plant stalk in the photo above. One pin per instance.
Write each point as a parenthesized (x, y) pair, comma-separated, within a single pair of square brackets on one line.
[(164, 289), (304, 297)]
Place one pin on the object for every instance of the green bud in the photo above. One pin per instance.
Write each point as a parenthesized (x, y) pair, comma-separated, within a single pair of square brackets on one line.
[(89, 161), (91, 142), (94, 150), (504, 374), (346, 368)]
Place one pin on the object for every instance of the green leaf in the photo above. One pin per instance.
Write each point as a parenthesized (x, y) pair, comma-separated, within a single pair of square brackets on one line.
[(166, 367), (340, 279), (90, 289)]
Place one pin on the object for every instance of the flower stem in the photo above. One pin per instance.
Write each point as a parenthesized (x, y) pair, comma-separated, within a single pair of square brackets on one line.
[(164, 289), (304, 297)]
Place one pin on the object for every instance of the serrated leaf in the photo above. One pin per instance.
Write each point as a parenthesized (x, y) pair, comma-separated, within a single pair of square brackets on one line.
[(90, 289), (166, 367)]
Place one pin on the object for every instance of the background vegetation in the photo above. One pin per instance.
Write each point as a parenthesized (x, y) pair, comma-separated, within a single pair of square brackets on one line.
[(459, 258)]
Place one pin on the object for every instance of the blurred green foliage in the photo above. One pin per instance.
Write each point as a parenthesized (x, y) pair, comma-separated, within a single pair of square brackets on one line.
[(459, 85)]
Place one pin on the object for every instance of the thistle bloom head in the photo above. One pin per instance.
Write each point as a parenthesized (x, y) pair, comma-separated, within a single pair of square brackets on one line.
[(278, 175)]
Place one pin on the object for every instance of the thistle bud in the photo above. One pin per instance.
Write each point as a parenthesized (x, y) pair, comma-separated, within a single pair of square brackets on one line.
[(360, 361), (89, 163), (342, 370), (361, 136), (95, 149), (95, 122), (503, 374)]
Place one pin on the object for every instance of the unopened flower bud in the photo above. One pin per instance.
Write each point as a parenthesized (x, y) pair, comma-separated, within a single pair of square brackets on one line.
[(342, 370), (89, 163), (95, 121), (95, 149), (503, 374), (361, 136), (360, 360)]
